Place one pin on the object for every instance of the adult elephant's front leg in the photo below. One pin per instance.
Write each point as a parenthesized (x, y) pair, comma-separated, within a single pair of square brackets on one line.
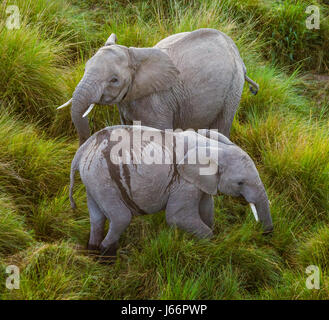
[(183, 211), (155, 111)]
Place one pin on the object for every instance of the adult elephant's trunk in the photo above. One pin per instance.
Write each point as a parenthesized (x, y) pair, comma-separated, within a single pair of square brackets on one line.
[(85, 94), (263, 212)]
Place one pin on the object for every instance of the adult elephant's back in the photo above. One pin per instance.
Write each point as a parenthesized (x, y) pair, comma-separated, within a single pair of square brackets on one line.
[(212, 71), (188, 80)]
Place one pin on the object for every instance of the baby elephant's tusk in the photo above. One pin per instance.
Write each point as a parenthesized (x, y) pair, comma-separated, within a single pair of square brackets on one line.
[(254, 210), (89, 109), (65, 104)]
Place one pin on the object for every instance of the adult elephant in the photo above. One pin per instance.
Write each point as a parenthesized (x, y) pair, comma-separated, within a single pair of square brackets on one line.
[(188, 80)]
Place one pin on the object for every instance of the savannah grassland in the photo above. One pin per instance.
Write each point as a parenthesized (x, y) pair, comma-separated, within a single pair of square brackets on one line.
[(284, 129)]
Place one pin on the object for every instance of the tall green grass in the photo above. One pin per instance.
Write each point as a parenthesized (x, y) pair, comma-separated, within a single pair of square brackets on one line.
[(282, 24), (34, 58), (30, 76), (283, 128), (56, 271), (14, 235), (59, 20), (32, 166)]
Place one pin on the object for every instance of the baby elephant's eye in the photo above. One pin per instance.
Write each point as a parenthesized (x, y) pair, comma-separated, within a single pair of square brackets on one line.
[(240, 183), (114, 80)]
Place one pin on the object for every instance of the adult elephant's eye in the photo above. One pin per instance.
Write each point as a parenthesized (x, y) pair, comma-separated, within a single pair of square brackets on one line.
[(114, 80), (240, 183)]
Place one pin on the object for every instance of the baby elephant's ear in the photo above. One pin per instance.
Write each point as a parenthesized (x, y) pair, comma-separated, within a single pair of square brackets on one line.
[(204, 174), (112, 39)]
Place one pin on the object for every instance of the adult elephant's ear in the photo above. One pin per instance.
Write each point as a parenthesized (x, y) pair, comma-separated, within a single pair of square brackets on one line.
[(112, 39), (202, 171), (153, 71), (214, 135)]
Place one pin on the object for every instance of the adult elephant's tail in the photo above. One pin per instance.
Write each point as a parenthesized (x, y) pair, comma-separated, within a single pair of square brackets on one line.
[(254, 87), (74, 168)]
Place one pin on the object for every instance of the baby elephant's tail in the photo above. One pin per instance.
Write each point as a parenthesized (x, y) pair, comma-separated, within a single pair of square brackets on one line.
[(74, 168), (254, 86)]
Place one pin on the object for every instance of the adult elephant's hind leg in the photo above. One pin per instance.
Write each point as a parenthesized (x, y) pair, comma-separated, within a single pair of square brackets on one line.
[(224, 120), (183, 211)]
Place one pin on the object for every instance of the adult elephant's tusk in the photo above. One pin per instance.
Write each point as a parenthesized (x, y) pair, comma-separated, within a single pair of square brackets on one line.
[(65, 104), (88, 110), (254, 210)]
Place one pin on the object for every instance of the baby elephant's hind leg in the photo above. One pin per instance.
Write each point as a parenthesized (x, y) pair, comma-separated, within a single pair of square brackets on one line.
[(120, 217), (97, 222)]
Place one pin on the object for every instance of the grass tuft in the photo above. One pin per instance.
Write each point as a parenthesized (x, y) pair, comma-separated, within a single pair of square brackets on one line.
[(59, 272), (284, 129), (14, 235)]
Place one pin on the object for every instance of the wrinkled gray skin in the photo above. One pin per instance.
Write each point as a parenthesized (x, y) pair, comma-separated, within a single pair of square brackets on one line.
[(188, 80), (119, 191)]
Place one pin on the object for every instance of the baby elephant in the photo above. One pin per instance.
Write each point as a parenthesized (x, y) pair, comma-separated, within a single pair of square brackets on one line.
[(133, 170)]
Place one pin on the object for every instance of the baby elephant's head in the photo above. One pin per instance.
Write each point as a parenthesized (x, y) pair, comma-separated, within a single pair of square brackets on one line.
[(238, 176), (230, 170)]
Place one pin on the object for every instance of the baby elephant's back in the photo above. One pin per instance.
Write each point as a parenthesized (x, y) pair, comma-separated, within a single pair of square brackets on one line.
[(93, 165), (144, 184)]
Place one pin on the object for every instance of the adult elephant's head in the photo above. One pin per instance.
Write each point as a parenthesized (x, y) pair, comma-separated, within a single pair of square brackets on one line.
[(119, 74)]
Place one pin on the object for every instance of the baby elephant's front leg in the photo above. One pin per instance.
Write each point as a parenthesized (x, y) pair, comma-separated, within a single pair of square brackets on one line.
[(206, 209), (183, 211)]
